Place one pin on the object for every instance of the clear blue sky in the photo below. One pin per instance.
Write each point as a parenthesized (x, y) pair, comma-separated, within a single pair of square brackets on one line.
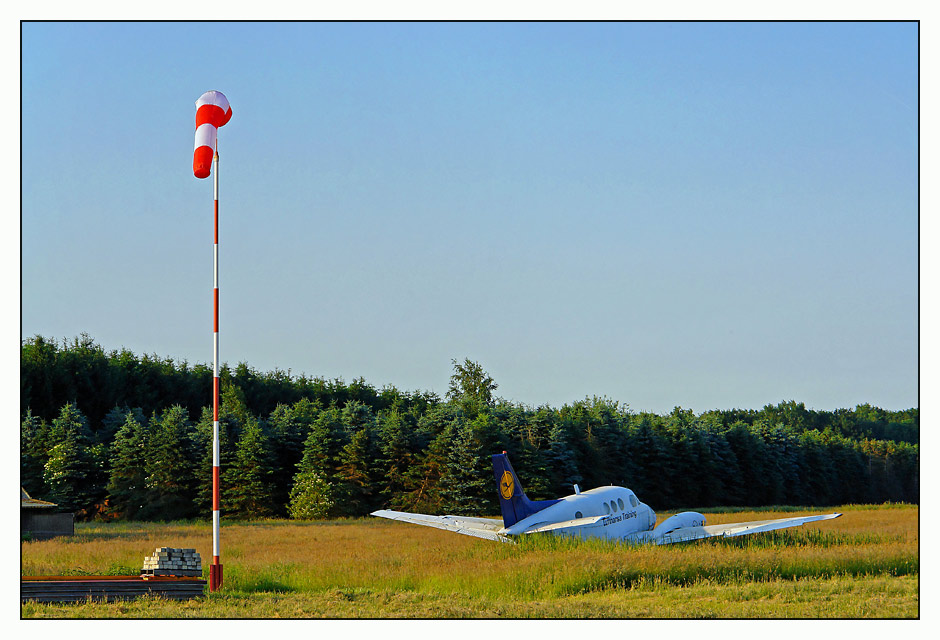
[(698, 214)]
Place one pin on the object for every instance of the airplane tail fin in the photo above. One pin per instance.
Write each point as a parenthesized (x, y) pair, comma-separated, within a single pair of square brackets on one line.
[(512, 499)]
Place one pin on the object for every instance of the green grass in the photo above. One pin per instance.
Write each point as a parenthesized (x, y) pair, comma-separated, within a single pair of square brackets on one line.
[(864, 564), (857, 597)]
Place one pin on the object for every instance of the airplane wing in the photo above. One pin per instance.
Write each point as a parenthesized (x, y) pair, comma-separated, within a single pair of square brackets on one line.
[(487, 528), (730, 530)]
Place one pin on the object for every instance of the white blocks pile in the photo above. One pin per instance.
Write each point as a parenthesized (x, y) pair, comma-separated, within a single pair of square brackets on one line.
[(167, 561)]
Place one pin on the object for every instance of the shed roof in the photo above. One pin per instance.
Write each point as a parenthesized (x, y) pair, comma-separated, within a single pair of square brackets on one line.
[(32, 503)]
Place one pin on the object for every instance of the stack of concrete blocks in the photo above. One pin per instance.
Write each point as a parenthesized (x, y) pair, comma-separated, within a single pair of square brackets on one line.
[(167, 561)]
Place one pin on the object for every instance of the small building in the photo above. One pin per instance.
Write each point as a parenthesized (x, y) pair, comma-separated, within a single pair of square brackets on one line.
[(41, 520)]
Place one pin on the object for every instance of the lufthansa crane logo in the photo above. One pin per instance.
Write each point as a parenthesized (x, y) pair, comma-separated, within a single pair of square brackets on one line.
[(506, 485)]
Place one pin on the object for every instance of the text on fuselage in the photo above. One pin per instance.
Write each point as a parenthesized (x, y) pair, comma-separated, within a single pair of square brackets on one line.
[(614, 519)]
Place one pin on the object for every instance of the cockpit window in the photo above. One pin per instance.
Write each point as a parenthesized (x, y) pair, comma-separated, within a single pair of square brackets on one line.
[(577, 515), (620, 502), (633, 501)]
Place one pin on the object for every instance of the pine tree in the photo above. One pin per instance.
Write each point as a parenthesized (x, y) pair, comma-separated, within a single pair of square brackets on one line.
[(723, 464), (71, 419), (750, 451), (423, 480), (70, 471), (232, 407), (66, 474), (464, 482), (355, 416), (127, 483), (651, 465), (760, 475), (170, 464), (562, 463), (529, 457), (287, 447), (324, 442), (353, 479), (111, 423), (771, 474), (395, 456), (819, 465), (849, 468), (303, 413), (250, 493), (33, 454), (311, 497)]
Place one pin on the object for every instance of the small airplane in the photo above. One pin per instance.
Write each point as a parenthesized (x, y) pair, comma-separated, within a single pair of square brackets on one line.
[(610, 512)]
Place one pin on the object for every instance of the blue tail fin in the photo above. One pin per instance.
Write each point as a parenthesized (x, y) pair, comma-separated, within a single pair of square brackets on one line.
[(512, 499)]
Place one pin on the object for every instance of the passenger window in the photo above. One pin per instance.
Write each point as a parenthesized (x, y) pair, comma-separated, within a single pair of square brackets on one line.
[(633, 501), (606, 508), (620, 502), (577, 515), (613, 506)]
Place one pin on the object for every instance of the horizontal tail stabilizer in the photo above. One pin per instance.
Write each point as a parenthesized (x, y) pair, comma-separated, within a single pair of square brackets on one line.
[(565, 527)]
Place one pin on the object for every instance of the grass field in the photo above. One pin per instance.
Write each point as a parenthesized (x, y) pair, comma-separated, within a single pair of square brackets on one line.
[(862, 565)]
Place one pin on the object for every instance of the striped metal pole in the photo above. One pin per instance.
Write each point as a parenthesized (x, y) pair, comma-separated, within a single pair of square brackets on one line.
[(215, 569)]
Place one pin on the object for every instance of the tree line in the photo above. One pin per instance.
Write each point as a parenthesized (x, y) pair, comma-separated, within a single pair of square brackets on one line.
[(114, 435)]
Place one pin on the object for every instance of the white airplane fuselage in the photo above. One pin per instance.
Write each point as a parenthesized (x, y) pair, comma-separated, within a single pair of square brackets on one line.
[(624, 515)]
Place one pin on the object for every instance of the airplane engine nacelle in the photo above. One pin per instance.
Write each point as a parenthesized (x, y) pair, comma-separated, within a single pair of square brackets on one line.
[(684, 519)]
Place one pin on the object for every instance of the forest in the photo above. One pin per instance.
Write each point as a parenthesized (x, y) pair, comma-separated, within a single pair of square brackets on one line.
[(114, 435)]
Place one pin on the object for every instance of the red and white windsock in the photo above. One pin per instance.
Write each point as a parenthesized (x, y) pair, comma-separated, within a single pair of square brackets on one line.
[(212, 112)]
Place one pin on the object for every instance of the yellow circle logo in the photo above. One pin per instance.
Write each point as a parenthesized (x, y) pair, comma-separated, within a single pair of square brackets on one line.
[(506, 485)]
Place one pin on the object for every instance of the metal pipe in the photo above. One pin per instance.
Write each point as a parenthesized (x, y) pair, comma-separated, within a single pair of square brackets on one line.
[(215, 569)]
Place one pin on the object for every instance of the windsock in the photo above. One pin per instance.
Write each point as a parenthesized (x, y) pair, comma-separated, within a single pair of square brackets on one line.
[(212, 111)]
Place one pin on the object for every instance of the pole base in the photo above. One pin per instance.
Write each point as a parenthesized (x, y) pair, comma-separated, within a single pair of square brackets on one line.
[(215, 577)]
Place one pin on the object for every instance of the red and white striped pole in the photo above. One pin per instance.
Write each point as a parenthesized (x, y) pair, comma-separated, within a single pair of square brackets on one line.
[(212, 112), (215, 569)]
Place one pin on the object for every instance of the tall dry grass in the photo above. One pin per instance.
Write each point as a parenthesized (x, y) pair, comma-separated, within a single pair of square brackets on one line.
[(382, 556)]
